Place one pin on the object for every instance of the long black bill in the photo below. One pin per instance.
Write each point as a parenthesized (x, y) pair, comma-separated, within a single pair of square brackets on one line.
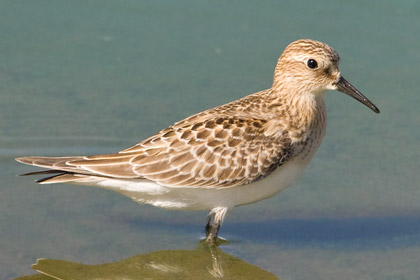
[(345, 87)]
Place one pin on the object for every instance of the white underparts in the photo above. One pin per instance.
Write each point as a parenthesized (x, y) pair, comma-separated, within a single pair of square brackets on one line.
[(202, 198)]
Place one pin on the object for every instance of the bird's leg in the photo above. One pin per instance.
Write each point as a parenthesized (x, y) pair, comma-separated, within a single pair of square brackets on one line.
[(212, 228), (214, 220)]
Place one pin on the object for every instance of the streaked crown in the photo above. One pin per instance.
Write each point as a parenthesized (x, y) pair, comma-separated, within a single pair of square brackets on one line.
[(308, 66)]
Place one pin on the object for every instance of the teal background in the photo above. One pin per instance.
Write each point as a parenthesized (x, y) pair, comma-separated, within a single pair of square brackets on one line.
[(88, 77)]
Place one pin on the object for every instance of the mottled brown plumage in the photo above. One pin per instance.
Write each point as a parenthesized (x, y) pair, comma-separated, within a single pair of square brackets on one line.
[(227, 148)]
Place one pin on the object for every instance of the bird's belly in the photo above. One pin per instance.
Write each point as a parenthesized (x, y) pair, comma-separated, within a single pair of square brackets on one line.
[(276, 182), (202, 198)]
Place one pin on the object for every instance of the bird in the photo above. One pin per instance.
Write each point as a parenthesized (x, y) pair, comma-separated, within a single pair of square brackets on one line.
[(235, 154)]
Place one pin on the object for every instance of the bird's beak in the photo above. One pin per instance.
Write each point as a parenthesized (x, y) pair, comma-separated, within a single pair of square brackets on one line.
[(345, 87)]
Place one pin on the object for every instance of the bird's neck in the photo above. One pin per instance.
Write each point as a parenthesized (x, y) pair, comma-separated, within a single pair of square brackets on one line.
[(299, 111)]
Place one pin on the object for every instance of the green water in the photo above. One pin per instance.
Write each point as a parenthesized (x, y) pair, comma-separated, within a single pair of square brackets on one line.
[(88, 77)]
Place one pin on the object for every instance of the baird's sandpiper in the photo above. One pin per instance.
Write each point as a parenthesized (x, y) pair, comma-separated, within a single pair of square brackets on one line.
[(238, 153)]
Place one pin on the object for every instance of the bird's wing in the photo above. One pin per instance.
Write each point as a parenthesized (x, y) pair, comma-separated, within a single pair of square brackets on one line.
[(215, 151)]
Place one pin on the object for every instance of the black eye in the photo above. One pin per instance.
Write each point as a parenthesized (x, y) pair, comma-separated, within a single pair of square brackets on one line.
[(312, 63)]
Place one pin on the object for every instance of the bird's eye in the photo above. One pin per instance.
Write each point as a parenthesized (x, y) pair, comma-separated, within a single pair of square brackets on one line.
[(312, 64)]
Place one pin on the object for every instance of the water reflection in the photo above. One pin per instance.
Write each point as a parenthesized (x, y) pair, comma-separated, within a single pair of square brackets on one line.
[(349, 232), (203, 263)]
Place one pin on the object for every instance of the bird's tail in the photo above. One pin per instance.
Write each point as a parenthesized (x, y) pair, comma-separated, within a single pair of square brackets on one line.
[(58, 171)]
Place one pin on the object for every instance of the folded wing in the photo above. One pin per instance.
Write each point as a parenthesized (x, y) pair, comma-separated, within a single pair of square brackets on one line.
[(217, 151)]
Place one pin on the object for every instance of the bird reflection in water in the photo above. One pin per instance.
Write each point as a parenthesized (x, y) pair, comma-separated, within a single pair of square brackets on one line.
[(202, 263)]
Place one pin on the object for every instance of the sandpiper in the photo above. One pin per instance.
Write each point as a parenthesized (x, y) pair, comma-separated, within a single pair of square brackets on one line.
[(234, 154)]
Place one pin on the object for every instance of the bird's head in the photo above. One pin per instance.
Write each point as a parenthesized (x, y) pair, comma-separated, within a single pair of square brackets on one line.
[(310, 67)]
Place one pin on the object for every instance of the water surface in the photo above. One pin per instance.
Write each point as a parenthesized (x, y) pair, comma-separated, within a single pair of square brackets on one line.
[(88, 77)]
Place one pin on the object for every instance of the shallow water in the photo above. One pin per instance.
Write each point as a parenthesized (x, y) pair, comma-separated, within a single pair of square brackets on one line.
[(88, 77)]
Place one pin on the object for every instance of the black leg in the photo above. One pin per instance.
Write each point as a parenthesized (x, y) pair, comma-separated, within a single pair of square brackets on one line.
[(212, 229), (214, 220)]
